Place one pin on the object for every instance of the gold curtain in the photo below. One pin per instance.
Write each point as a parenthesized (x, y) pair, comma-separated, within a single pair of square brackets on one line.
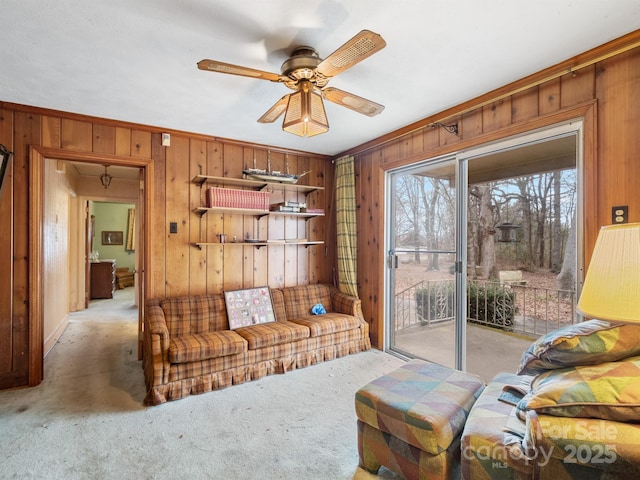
[(346, 227), (131, 228)]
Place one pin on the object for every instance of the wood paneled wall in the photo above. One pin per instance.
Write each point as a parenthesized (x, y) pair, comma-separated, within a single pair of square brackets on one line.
[(175, 267), (605, 93)]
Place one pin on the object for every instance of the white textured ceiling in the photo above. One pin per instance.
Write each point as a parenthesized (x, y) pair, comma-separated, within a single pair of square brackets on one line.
[(135, 60)]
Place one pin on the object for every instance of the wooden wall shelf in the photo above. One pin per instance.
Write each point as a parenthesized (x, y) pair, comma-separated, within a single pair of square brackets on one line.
[(255, 184), (257, 245), (203, 180)]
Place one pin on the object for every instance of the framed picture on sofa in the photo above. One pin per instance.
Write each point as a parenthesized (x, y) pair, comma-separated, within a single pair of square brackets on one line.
[(250, 306)]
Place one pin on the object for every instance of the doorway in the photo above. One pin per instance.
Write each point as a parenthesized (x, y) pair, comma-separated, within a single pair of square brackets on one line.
[(72, 193), (42, 158), (111, 247), (446, 300)]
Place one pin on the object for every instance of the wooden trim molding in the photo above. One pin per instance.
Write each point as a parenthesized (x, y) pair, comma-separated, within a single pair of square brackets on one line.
[(36, 339), (37, 157), (154, 129), (514, 130), (570, 66), (586, 112)]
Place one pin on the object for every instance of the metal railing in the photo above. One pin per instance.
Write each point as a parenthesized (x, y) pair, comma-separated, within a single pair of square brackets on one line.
[(433, 305), (524, 309)]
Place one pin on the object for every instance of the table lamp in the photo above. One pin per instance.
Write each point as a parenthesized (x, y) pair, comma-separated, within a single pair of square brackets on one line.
[(611, 289)]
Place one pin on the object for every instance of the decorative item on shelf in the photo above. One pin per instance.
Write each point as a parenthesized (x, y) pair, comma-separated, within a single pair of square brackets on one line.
[(222, 237), (269, 175), (612, 283), (248, 239)]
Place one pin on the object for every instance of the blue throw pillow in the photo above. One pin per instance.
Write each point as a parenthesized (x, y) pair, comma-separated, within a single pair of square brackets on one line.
[(318, 309)]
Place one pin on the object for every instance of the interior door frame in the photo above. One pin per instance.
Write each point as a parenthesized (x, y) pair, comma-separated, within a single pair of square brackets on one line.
[(37, 157)]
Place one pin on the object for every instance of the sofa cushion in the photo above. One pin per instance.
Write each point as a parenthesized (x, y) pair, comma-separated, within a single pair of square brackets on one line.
[(277, 300), (270, 334), (328, 323), (201, 346), (196, 314), (610, 391), (586, 343), (299, 300)]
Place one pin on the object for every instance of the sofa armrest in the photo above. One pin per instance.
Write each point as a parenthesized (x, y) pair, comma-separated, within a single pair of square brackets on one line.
[(156, 346), (343, 303)]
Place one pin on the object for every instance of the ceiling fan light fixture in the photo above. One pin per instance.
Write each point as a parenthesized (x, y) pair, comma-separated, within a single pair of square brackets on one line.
[(305, 115), (307, 75)]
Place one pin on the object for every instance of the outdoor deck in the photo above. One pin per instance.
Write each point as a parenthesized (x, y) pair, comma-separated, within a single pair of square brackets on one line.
[(502, 321)]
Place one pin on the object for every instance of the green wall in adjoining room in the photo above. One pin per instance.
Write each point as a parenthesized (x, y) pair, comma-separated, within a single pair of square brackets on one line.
[(112, 217)]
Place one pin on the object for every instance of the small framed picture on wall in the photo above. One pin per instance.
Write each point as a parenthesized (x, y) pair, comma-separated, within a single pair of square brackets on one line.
[(111, 238)]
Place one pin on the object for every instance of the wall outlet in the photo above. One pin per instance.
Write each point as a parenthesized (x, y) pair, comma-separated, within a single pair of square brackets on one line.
[(620, 214)]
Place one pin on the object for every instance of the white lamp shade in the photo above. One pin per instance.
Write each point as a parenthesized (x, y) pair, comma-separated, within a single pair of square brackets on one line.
[(611, 288)]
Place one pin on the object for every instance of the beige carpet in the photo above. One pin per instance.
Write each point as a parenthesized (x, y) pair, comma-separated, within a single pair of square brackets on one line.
[(86, 420)]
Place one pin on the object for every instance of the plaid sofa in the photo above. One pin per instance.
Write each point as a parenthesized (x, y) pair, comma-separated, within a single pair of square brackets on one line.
[(572, 411), (189, 348)]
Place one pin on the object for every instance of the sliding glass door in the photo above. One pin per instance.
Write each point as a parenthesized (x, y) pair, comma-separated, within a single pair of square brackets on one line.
[(483, 250), (422, 259)]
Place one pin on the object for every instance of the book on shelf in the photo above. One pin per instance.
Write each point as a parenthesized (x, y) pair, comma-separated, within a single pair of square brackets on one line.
[(290, 203), (217, 197), (313, 210), (285, 208)]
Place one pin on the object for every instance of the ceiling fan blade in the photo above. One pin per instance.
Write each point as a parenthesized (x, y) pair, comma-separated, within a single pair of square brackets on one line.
[(361, 46), (274, 112), (221, 67), (354, 102)]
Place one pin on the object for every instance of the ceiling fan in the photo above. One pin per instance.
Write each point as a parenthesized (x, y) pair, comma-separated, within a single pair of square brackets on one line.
[(308, 74)]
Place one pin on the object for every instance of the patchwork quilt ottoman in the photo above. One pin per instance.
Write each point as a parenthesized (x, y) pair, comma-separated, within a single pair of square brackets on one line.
[(411, 419)]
